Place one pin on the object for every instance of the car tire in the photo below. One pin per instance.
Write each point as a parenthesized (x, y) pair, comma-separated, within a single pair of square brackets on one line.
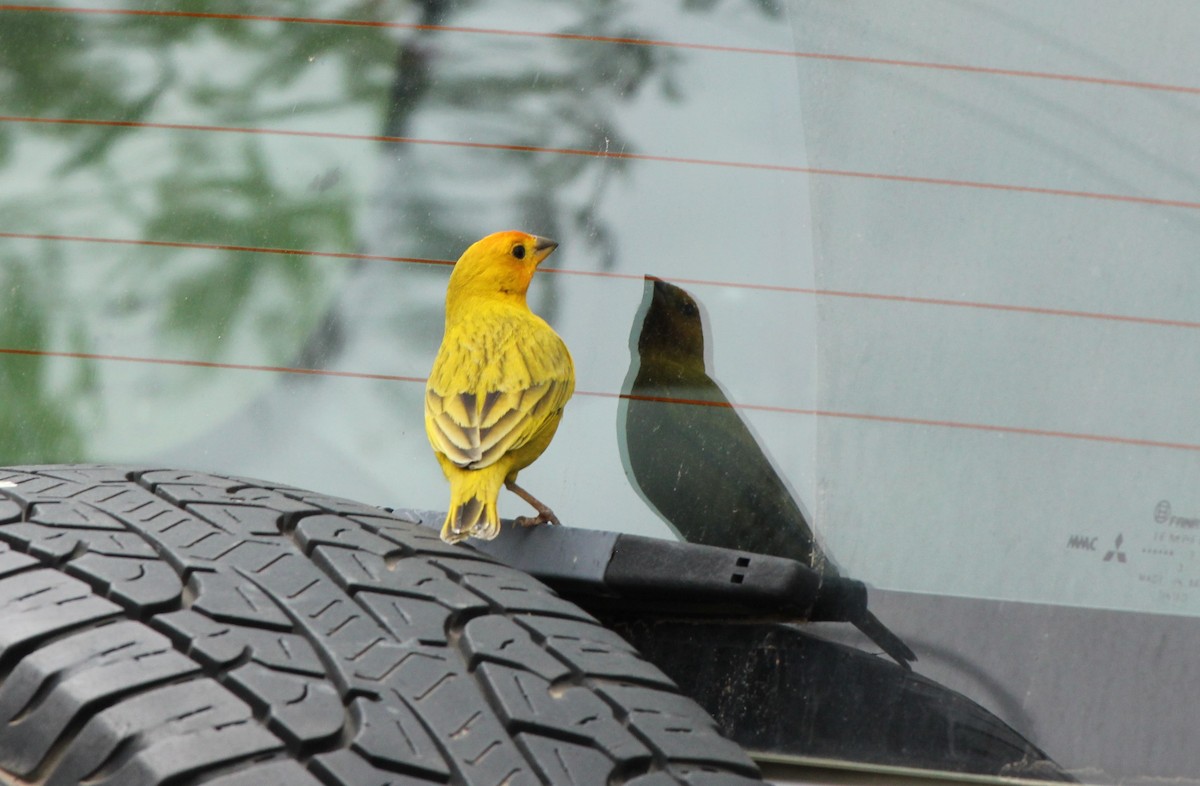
[(166, 627)]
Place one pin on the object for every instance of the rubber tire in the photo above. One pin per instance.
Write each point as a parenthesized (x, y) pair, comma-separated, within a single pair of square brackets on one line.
[(165, 627)]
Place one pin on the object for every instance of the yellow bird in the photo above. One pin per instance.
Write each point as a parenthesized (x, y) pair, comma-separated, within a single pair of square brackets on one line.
[(497, 390)]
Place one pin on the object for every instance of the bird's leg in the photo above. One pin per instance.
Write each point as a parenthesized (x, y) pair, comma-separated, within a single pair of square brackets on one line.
[(544, 516)]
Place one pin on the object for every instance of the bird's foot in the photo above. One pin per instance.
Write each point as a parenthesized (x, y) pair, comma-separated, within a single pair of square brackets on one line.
[(544, 514)]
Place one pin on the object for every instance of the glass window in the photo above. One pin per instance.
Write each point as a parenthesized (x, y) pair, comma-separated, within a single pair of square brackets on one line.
[(941, 257)]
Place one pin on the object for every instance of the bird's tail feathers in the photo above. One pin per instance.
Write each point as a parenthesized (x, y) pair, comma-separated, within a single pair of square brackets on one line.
[(471, 514)]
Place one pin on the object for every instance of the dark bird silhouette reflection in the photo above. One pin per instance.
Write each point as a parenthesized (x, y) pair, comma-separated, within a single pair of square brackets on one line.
[(696, 462)]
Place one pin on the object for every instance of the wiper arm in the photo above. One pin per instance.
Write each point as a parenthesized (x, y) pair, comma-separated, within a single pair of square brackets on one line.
[(622, 570)]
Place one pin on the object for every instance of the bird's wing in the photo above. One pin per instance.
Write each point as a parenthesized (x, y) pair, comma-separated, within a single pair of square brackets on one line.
[(476, 417)]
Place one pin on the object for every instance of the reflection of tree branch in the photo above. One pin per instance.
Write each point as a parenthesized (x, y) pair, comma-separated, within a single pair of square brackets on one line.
[(104, 137), (409, 86), (771, 8), (411, 79), (564, 97), (596, 231), (253, 190)]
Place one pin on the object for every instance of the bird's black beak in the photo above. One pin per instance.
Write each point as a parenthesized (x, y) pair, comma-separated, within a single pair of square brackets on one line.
[(542, 246)]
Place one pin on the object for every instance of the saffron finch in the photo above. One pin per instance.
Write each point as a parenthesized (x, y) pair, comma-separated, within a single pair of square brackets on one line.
[(497, 390), (696, 462)]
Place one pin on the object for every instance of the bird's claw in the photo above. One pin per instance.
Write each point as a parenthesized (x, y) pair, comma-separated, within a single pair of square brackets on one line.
[(545, 517), (544, 514)]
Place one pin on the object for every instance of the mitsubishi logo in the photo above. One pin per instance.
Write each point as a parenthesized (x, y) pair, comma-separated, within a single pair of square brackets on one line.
[(1115, 551)]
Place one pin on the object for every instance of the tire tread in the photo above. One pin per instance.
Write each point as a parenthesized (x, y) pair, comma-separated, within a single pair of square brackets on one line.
[(265, 634)]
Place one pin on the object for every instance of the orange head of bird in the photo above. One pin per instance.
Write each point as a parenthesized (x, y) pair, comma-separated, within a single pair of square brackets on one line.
[(501, 263)]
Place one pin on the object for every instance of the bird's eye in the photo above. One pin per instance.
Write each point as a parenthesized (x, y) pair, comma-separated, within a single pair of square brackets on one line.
[(518, 252), (690, 310)]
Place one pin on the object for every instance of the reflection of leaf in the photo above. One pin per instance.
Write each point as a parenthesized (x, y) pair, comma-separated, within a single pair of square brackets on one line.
[(247, 207), (6, 145), (103, 137), (35, 63), (36, 423), (163, 31)]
